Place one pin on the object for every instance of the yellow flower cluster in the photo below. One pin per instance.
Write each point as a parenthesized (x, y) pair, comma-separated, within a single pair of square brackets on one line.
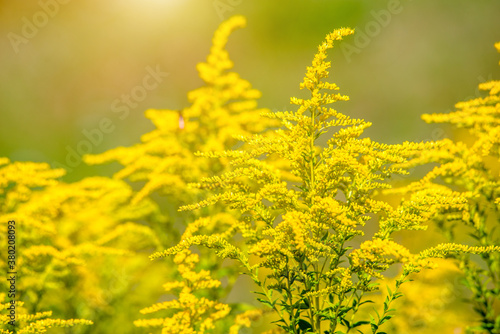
[(443, 250), (245, 319), (74, 239), (23, 176), (27, 323), (217, 241), (377, 254), (192, 314)]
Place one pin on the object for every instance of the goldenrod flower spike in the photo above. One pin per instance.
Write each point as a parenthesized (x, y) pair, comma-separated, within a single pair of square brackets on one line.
[(189, 313), (480, 116), (225, 107), (297, 229), (221, 110), (25, 323), (470, 196)]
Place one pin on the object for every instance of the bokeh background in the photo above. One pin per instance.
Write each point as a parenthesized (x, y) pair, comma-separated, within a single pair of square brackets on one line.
[(65, 62)]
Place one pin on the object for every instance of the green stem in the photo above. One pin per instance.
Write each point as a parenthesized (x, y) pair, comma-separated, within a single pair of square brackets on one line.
[(290, 298), (317, 325), (395, 295)]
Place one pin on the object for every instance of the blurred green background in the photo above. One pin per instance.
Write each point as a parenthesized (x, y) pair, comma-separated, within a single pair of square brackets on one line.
[(66, 65)]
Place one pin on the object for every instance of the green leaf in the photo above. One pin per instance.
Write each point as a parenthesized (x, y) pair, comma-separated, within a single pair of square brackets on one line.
[(359, 323), (304, 325), (385, 318), (397, 295), (266, 302), (304, 304), (344, 310), (472, 235), (297, 314), (345, 322), (366, 302), (277, 321)]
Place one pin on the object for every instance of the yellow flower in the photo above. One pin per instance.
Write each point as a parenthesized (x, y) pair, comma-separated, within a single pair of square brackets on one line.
[(189, 313)]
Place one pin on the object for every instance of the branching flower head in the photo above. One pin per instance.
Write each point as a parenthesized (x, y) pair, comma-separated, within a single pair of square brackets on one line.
[(224, 107), (297, 229)]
